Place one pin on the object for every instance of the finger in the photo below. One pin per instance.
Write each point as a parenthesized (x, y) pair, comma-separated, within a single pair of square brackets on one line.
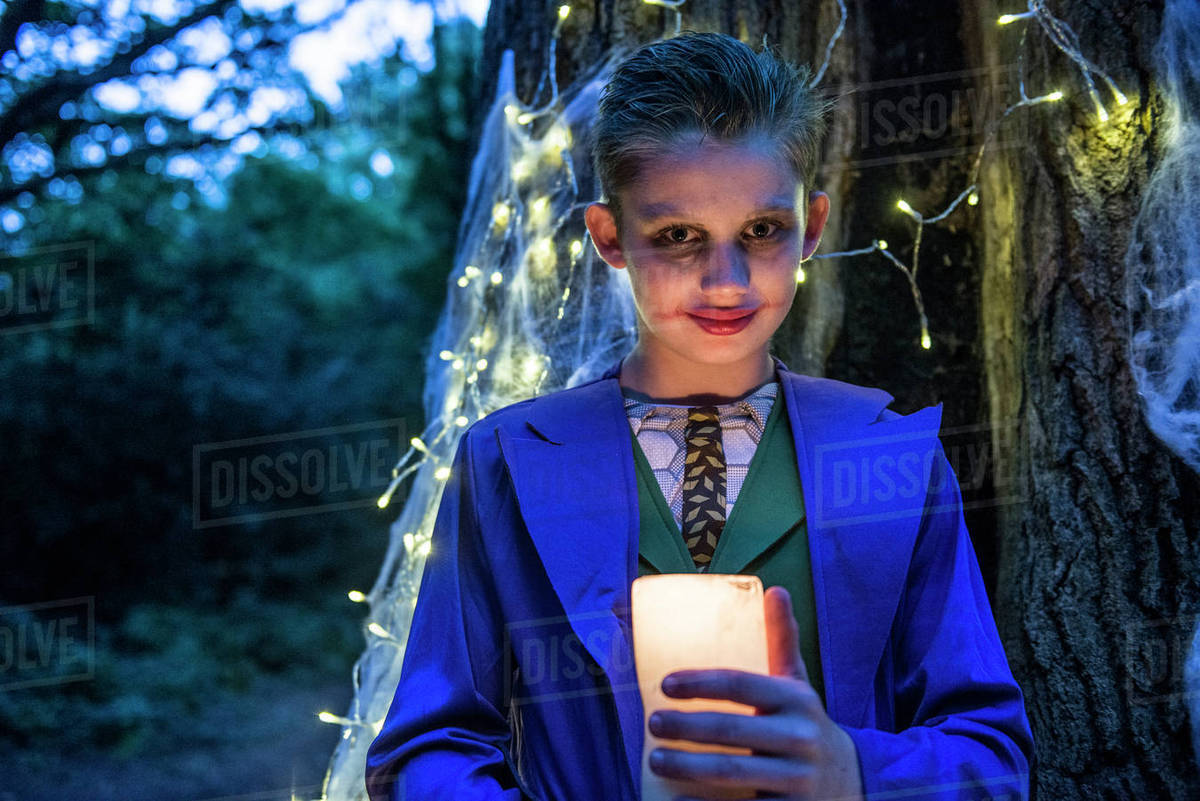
[(751, 772), (766, 693), (781, 735), (783, 635)]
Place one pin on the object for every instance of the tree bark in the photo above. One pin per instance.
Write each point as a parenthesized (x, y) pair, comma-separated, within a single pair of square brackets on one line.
[(1098, 583)]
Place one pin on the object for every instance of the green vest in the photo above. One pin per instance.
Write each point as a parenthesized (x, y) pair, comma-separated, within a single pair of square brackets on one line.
[(766, 534)]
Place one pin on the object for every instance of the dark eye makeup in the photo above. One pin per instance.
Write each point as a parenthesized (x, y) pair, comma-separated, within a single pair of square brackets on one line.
[(667, 236)]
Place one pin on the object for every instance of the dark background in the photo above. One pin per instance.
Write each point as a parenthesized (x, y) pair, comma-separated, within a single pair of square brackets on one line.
[(301, 300)]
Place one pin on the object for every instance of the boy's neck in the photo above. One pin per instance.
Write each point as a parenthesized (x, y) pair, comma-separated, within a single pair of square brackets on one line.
[(665, 381)]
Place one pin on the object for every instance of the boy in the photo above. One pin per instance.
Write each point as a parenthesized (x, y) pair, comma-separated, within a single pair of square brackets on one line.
[(887, 675)]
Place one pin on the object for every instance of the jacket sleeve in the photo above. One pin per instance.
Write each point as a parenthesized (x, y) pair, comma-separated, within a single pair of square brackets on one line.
[(963, 733), (445, 735)]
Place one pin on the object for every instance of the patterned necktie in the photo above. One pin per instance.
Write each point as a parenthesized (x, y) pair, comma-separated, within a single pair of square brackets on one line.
[(703, 485)]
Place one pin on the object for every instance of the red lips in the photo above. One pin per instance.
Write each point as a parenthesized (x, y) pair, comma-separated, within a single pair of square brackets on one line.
[(723, 322)]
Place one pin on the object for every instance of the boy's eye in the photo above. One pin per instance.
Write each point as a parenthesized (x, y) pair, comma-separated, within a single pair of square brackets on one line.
[(675, 236), (762, 229)]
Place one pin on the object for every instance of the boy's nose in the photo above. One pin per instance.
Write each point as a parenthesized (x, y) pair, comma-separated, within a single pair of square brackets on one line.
[(727, 268)]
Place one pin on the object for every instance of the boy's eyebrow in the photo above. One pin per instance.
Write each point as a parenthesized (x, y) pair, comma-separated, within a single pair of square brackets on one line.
[(654, 211)]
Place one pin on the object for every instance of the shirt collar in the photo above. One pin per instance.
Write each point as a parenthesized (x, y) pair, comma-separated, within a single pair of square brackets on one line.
[(756, 405)]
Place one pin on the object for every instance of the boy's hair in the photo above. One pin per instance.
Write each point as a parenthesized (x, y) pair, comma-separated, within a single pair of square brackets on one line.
[(708, 83)]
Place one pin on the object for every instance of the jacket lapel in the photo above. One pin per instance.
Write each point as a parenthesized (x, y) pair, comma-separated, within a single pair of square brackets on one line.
[(861, 535), (572, 473)]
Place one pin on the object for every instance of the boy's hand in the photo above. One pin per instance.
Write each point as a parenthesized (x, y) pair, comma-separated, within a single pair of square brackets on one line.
[(797, 751)]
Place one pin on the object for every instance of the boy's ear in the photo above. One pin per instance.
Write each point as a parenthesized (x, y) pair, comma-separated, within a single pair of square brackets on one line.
[(818, 213), (603, 229)]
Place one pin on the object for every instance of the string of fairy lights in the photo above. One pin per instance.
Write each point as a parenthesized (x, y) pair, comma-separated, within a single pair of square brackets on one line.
[(551, 151), (1064, 38)]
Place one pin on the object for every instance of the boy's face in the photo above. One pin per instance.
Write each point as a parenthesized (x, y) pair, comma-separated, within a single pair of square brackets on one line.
[(714, 230)]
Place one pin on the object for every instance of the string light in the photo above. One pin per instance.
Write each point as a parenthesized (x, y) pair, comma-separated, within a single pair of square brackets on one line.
[(329, 717), (1005, 19), (501, 214), (902, 204), (379, 631), (538, 211), (673, 5), (1065, 39), (837, 34)]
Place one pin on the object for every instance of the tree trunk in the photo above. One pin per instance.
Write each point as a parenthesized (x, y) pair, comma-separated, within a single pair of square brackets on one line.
[(1086, 530), (1098, 584)]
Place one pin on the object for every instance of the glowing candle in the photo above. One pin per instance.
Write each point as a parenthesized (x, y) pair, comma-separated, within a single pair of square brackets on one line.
[(693, 620)]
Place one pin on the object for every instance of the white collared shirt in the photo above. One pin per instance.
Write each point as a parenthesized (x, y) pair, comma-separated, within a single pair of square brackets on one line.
[(659, 429)]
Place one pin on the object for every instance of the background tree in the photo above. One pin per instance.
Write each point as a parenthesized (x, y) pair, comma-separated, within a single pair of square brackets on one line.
[(1099, 583)]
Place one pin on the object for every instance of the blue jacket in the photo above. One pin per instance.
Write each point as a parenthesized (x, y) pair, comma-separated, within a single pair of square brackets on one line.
[(518, 679)]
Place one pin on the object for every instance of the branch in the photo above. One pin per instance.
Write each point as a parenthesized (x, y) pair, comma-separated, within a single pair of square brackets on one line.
[(44, 101)]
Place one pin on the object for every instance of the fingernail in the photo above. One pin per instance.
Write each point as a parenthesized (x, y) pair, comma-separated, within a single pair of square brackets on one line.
[(655, 722), (670, 683), (656, 758)]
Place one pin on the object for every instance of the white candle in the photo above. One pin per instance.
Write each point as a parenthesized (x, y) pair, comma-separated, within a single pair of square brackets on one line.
[(693, 620)]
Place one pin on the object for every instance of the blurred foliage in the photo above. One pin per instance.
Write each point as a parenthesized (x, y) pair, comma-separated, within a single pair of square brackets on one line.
[(86, 86), (298, 292)]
